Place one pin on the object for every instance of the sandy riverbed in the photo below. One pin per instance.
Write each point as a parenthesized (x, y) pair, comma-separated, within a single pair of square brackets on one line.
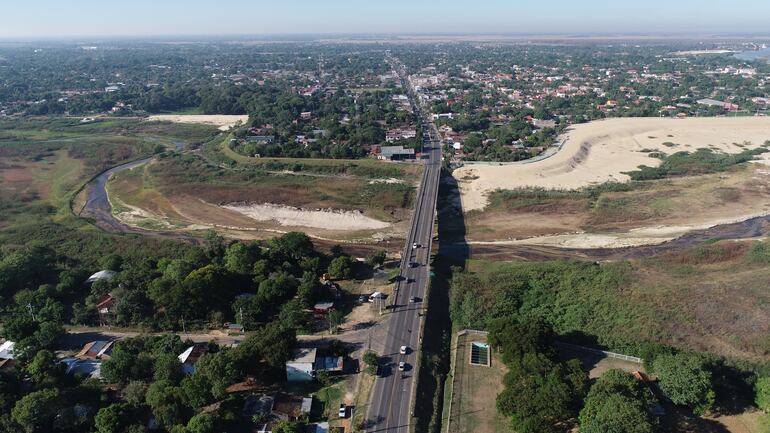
[(652, 235), (224, 122), (601, 151), (326, 219)]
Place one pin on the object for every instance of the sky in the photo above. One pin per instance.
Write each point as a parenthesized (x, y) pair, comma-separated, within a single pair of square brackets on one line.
[(76, 18)]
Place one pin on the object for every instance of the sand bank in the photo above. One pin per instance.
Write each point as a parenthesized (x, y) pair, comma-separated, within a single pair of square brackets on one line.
[(327, 219), (602, 151), (224, 122)]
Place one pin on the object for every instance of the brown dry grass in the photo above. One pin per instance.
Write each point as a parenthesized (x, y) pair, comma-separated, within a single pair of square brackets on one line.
[(710, 298), (16, 176), (474, 391), (131, 187), (666, 203)]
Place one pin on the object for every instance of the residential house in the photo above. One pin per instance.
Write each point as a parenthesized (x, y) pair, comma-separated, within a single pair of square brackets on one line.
[(396, 134), (262, 139), (714, 103), (302, 367), (395, 153), (307, 363), (88, 362), (273, 409), (105, 304), (99, 349), (234, 328), (7, 355), (91, 368), (541, 123), (190, 357)]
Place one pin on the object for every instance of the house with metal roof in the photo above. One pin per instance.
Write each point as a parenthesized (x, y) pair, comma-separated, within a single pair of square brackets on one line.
[(395, 153)]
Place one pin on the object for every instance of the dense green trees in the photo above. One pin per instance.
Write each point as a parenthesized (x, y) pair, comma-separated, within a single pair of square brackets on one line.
[(617, 403), (376, 258), (10, 388), (686, 380), (115, 418), (325, 136), (149, 373), (37, 410), (205, 285), (341, 267), (762, 389), (540, 391), (202, 423)]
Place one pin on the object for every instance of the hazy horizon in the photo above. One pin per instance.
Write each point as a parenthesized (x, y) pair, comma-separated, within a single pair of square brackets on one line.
[(239, 18)]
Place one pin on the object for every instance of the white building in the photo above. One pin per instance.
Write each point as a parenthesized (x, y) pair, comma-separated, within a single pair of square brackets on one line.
[(300, 369)]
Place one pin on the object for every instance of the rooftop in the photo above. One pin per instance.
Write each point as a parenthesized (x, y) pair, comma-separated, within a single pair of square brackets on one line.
[(395, 150), (6, 350), (101, 275), (304, 355)]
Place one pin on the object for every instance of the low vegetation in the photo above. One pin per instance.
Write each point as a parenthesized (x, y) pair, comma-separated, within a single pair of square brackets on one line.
[(191, 175), (639, 307), (701, 161), (692, 201), (625, 305)]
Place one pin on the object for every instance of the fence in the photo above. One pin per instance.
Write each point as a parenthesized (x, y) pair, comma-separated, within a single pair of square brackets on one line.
[(621, 356)]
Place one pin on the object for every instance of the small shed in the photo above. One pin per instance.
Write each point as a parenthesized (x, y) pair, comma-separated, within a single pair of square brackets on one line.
[(234, 328), (323, 308), (331, 364)]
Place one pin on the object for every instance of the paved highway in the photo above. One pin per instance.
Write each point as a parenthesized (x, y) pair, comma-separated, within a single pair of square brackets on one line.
[(391, 404)]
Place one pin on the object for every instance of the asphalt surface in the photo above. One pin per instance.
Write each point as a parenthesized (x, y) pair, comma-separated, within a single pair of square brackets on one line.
[(391, 404)]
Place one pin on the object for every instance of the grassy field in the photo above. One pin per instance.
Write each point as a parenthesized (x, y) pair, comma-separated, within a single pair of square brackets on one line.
[(43, 161), (474, 389), (191, 188), (677, 202)]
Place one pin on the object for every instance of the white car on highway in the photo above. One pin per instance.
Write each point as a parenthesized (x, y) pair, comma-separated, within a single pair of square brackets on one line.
[(403, 350)]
